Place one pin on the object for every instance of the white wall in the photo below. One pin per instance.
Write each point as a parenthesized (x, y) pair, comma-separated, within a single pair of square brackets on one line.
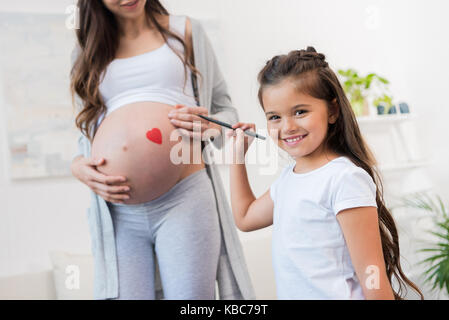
[(41, 214), (401, 40), (405, 41)]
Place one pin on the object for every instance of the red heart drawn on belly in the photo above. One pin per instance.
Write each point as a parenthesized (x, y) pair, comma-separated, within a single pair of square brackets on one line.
[(155, 135)]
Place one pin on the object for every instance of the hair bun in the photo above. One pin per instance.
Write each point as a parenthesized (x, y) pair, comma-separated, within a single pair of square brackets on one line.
[(320, 56), (315, 54), (309, 54), (273, 61), (310, 49)]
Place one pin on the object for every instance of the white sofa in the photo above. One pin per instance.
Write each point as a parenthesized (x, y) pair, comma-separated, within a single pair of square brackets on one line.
[(29, 286), (72, 276)]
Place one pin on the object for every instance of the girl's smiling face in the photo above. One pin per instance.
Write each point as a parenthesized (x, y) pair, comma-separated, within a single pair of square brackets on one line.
[(297, 122)]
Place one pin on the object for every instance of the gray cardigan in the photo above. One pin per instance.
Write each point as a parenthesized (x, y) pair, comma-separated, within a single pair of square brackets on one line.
[(233, 280)]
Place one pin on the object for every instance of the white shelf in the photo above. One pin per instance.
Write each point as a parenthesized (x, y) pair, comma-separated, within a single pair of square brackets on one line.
[(386, 118), (404, 166)]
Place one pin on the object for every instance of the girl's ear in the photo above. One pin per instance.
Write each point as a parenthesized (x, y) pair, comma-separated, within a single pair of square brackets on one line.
[(334, 111)]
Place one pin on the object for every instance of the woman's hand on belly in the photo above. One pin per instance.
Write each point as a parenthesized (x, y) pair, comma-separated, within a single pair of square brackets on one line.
[(110, 188), (188, 122)]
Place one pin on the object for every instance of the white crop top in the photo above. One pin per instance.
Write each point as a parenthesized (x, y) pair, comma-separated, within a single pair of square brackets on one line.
[(157, 76)]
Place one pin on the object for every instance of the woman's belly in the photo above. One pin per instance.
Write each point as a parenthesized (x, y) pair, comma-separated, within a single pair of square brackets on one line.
[(128, 139)]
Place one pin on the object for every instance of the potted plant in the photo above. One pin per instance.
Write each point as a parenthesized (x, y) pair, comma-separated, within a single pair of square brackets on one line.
[(359, 89), (383, 103), (437, 272)]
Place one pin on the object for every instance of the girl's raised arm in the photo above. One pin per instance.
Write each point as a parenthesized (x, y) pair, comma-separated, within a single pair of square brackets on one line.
[(249, 213)]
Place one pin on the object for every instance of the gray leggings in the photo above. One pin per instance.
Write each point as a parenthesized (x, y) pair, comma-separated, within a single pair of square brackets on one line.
[(181, 228)]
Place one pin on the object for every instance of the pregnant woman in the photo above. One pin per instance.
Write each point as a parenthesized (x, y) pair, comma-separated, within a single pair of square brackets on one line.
[(159, 228)]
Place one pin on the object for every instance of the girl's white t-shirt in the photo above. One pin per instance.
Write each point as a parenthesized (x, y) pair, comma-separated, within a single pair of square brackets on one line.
[(310, 256)]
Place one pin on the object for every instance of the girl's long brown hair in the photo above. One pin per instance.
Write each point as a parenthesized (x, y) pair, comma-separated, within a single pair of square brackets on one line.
[(309, 70), (98, 39)]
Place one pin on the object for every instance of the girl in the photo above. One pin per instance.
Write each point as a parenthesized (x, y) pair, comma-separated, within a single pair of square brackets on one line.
[(333, 237), (152, 237)]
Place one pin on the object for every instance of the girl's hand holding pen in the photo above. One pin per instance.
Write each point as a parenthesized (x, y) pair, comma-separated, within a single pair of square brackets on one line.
[(240, 141)]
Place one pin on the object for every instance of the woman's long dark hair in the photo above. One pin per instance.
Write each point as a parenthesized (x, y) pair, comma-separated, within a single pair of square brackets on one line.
[(309, 70), (98, 38)]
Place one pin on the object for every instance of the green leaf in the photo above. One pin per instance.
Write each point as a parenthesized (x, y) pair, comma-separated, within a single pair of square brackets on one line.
[(429, 249), (441, 279), (367, 84), (430, 269), (439, 235), (443, 209), (447, 285), (438, 272), (433, 258), (383, 80), (433, 275)]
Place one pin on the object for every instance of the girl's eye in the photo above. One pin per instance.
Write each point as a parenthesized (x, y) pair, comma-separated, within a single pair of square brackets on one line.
[(299, 112), (273, 117)]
